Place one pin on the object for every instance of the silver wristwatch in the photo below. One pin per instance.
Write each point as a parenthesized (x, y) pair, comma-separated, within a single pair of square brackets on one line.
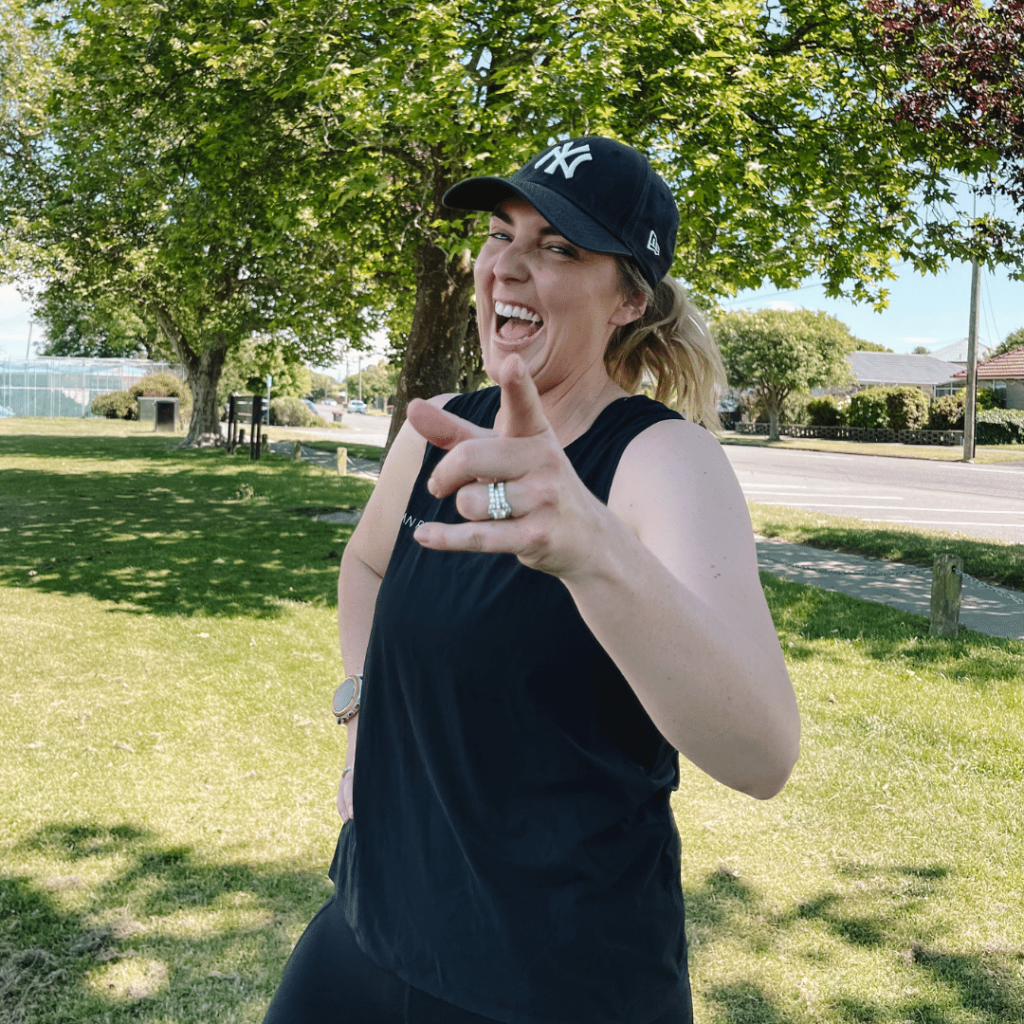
[(346, 698)]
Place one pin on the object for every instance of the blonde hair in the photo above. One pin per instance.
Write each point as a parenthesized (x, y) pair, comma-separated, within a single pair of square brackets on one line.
[(671, 344)]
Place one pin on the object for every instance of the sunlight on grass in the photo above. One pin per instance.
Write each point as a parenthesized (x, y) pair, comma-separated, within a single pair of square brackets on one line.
[(169, 767)]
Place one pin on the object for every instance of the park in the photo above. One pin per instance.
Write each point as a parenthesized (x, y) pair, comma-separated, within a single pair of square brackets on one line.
[(247, 190), (170, 761)]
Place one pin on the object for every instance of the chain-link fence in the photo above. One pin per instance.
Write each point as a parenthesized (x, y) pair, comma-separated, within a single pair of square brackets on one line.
[(53, 386)]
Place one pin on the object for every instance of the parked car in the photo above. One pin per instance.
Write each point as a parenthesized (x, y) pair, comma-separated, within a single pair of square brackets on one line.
[(329, 401), (356, 406), (308, 403)]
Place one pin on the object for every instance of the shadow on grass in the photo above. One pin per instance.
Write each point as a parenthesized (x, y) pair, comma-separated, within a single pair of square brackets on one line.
[(871, 908), (806, 615), (165, 936), (175, 532)]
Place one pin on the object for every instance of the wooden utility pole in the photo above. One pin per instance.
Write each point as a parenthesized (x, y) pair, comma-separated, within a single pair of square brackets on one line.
[(971, 408)]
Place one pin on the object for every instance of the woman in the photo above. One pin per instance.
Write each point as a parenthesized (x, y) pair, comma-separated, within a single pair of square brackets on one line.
[(553, 589)]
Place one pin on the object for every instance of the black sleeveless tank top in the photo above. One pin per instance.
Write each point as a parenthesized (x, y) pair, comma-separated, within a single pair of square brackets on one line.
[(513, 851)]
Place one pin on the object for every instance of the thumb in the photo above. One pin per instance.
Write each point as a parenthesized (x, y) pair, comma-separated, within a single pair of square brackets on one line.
[(523, 415)]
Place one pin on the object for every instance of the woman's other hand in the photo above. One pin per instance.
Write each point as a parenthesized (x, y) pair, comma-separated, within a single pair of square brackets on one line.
[(344, 798)]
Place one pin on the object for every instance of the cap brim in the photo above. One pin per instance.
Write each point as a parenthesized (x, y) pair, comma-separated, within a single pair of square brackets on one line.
[(567, 218)]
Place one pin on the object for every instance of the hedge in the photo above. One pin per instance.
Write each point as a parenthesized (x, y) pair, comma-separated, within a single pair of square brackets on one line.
[(1000, 426), (115, 405)]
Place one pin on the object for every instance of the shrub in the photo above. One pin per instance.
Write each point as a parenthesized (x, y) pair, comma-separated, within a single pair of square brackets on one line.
[(291, 412), (115, 405), (1000, 426), (869, 408), (947, 412), (165, 385), (825, 412), (907, 407)]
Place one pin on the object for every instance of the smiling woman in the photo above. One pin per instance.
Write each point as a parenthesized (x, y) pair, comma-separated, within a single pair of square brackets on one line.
[(551, 594)]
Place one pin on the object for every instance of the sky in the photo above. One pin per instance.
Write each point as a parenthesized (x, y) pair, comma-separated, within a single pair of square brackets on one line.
[(932, 311)]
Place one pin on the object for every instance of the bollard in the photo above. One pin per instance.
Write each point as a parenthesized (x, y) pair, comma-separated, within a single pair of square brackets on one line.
[(947, 582), (341, 461), (297, 450), (265, 444)]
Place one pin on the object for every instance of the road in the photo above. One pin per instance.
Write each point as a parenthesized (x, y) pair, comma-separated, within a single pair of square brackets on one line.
[(980, 501), (984, 501)]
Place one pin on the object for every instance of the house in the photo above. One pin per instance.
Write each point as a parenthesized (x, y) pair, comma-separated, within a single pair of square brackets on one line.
[(1004, 375), (957, 352), (891, 369)]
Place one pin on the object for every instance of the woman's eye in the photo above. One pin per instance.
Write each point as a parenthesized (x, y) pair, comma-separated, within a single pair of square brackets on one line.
[(500, 235), (562, 250)]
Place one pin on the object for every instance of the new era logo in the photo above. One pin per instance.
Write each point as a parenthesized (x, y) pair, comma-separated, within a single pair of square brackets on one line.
[(652, 244), (558, 159)]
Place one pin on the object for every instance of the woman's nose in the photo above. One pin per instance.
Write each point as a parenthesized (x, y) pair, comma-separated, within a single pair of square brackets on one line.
[(511, 264)]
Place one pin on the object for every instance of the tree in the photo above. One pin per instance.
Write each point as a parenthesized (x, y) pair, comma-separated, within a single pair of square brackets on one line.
[(378, 381), (920, 350), (777, 352), (321, 385), (156, 177), (958, 79), (77, 327), (271, 168), (246, 370), (1015, 339)]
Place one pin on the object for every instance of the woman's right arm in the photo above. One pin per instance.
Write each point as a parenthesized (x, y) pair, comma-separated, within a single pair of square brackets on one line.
[(364, 563)]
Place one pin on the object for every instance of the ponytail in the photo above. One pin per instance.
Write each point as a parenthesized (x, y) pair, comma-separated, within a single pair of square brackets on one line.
[(672, 345)]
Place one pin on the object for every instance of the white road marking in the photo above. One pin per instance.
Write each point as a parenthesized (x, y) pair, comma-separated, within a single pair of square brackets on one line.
[(902, 508)]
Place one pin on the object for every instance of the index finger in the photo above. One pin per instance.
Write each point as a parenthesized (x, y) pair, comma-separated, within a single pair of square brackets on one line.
[(440, 427), (520, 401)]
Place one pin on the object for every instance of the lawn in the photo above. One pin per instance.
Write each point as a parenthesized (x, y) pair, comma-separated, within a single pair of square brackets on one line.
[(988, 453), (168, 766)]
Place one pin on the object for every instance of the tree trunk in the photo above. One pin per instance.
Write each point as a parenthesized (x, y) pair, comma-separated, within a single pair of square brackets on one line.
[(433, 356), (202, 373), (203, 378), (774, 415)]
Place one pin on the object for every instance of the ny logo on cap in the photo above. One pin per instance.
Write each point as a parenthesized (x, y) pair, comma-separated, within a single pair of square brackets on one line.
[(558, 156), (652, 244)]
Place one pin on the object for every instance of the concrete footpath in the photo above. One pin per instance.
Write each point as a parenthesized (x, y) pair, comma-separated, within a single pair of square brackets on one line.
[(995, 611)]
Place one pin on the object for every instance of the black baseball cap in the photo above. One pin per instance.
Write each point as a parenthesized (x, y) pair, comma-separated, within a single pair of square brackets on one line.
[(598, 193)]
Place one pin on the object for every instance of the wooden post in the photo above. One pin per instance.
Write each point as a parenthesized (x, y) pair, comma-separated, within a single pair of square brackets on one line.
[(341, 461), (297, 450), (947, 582)]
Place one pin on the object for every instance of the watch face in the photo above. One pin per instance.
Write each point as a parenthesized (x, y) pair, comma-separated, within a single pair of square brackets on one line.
[(344, 695)]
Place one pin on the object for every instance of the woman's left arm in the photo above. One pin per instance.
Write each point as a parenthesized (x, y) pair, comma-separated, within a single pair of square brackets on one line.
[(673, 595)]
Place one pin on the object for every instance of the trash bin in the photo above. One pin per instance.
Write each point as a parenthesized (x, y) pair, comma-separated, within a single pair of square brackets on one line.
[(166, 410)]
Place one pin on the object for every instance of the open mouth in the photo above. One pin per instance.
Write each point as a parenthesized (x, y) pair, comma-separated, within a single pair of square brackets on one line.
[(515, 323)]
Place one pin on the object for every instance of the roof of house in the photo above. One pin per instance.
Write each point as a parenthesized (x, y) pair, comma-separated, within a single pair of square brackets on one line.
[(957, 352), (897, 368), (1008, 366)]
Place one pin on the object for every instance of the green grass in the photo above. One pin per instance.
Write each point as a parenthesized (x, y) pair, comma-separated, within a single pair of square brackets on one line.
[(983, 453), (993, 561), (168, 766)]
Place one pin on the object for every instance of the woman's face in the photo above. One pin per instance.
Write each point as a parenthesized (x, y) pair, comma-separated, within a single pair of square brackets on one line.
[(542, 297)]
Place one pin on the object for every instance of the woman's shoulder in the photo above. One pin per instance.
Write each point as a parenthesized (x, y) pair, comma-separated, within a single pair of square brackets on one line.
[(673, 463)]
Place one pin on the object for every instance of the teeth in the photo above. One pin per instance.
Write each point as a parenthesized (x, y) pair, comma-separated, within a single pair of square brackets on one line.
[(519, 312)]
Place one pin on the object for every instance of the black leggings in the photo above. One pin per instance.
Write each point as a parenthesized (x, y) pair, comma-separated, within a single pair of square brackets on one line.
[(329, 980)]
